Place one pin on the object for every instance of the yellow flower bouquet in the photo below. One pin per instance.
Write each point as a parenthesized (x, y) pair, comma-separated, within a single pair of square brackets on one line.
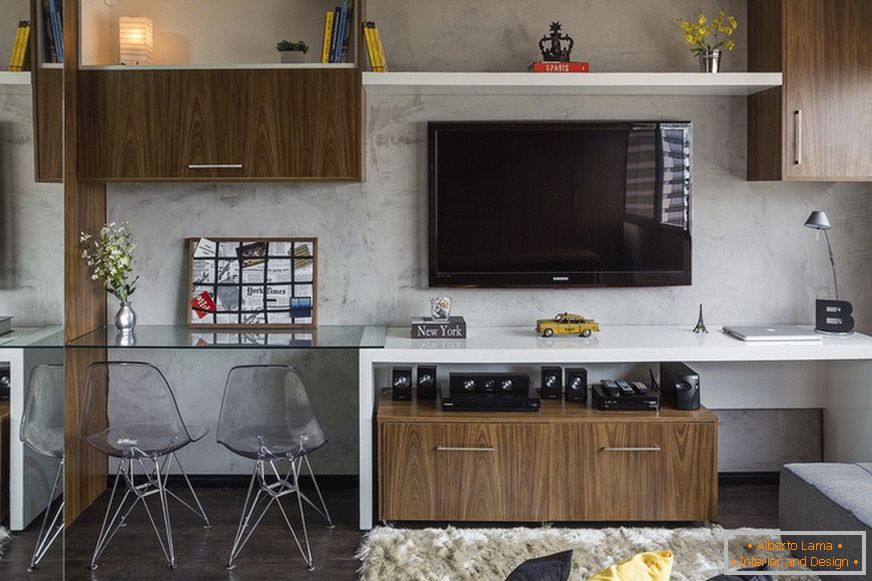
[(704, 35)]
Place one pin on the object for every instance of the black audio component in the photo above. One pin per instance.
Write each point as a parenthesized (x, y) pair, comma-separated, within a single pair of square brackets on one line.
[(680, 386), (576, 385), (401, 383), (5, 383), (488, 383), (426, 382), (491, 402), (552, 383), (604, 398)]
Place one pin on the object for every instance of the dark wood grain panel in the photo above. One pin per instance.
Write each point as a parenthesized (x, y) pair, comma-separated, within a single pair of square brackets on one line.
[(765, 33), (828, 77), (279, 124), (84, 299), (48, 110), (765, 136), (465, 472)]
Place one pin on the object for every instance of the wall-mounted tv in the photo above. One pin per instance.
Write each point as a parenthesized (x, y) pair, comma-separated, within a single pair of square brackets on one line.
[(559, 204)]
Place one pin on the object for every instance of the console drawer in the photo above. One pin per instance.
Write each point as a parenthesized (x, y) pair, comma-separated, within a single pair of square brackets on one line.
[(464, 471), (640, 471)]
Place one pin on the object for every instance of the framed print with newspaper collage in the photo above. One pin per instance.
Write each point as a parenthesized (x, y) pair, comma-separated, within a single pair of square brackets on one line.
[(266, 283)]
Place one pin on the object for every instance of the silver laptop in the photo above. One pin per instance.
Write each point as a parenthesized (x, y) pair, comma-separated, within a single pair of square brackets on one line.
[(772, 333)]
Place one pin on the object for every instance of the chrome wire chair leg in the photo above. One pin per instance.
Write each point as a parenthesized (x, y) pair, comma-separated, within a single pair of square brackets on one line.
[(245, 529), (162, 494), (296, 466), (199, 511), (48, 535), (326, 513), (106, 529)]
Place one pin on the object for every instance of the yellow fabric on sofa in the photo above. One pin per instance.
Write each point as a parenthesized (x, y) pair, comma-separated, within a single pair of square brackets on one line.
[(653, 566)]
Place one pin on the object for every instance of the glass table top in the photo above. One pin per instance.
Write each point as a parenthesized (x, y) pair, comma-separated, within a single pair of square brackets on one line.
[(33, 338), (181, 337)]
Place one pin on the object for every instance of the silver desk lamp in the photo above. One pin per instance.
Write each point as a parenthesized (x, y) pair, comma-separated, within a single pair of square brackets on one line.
[(832, 317), (818, 220)]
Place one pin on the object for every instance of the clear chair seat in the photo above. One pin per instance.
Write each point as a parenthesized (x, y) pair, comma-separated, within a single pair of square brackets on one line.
[(144, 440), (268, 441), (47, 441)]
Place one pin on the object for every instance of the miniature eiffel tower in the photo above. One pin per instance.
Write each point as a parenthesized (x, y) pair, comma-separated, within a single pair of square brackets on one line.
[(700, 324)]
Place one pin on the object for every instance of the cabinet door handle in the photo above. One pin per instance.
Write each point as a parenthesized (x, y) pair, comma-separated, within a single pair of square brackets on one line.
[(635, 449), (214, 166), (457, 449), (797, 137)]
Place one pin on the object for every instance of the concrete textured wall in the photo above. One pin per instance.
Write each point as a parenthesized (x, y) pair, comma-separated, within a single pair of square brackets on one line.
[(753, 261)]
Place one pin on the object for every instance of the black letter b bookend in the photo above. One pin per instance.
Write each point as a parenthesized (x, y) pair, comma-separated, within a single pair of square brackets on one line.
[(834, 317)]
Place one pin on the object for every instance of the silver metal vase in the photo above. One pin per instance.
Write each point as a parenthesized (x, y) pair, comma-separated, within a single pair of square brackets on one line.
[(710, 61), (125, 318)]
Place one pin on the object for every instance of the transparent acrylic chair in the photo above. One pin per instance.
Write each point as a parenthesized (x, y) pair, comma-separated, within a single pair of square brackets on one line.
[(266, 416), (130, 413), (42, 430)]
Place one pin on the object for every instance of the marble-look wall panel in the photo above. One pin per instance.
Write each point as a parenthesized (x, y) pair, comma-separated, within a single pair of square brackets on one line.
[(31, 222), (765, 440), (753, 261)]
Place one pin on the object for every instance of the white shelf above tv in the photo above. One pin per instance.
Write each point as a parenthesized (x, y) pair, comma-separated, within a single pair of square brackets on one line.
[(11, 78), (523, 83)]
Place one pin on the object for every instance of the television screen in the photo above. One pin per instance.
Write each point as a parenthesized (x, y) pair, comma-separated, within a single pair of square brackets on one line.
[(532, 204)]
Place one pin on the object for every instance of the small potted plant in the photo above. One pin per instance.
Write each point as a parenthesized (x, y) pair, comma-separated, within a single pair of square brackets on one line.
[(707, 38), (293, 52), (110, 257)]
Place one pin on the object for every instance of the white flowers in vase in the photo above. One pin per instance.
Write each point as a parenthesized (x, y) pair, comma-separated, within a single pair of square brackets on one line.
[(110, 258)]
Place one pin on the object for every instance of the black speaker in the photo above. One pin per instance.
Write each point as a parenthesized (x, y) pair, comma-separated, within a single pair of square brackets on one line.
[(401, 382), (679, 386), (426, 381), (552, 383), (576, 385)]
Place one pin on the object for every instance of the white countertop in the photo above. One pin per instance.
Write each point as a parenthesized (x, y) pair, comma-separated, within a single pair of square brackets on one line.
[(615, 343)]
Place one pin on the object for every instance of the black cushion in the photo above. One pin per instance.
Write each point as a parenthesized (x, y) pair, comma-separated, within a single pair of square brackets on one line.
[(761, 577), (556, 567)]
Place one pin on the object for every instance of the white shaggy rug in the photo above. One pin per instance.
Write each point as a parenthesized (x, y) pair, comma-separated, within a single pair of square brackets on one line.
[(454, 554)]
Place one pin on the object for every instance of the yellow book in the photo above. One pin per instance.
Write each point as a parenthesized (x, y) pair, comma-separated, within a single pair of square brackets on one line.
[(16, 47), (328, 37), (370, 46), (25, 39), (382, 60)]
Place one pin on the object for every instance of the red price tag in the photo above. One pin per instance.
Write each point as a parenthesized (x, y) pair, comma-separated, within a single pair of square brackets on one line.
[(203, 304)]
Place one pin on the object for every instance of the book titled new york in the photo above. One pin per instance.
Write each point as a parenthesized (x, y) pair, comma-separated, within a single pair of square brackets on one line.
[(429, 328), (555, 67)]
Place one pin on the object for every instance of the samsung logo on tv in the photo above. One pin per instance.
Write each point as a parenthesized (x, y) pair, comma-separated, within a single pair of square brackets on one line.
[(560, 278)]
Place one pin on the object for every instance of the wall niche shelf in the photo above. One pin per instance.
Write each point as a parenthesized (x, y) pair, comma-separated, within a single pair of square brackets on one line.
[(523, 83), (14, 78), (245, 66)]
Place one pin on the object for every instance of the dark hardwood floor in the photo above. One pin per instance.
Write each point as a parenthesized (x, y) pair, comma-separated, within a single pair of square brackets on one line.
[(201, 554)]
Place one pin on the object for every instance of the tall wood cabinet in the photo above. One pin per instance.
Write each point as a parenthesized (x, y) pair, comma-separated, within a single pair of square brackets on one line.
[(208, 124), (818, 126), (47, 80)]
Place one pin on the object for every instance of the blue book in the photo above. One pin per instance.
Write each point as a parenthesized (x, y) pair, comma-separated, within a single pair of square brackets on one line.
[(57, 29), (335, 34), (343, 22)]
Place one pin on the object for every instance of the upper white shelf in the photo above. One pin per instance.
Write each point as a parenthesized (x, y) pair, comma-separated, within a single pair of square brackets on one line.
[(720, 84), (219, 66), (10, 78)]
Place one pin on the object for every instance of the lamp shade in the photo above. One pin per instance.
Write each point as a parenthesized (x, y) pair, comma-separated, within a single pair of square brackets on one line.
[(135, 40), (818, 220)]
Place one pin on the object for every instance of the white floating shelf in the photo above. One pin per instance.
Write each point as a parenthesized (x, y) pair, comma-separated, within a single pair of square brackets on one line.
[(219, 66), (10, 78), (719, 84)]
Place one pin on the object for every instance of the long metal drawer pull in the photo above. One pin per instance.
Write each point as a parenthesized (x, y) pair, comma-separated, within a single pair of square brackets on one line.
[(214, 166), (797, 136), (638, 449), (456, 449)]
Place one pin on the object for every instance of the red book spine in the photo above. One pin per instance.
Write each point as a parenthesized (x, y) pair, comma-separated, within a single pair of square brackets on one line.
[(556, 67)]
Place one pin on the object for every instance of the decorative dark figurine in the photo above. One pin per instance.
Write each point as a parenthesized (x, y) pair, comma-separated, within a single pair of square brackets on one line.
[(700, 324), (556, 53)]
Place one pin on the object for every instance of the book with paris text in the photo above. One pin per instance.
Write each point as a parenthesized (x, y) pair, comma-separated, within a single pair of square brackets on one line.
[(559, 67)]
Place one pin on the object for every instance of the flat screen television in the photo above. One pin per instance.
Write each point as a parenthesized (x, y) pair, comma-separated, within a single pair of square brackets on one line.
[(559, 204)]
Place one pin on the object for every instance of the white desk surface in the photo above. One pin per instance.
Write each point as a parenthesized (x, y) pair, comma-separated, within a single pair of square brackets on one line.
[(615, 343)]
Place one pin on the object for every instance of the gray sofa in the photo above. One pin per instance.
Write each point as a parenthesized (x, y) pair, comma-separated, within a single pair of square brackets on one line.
[(827, 497)]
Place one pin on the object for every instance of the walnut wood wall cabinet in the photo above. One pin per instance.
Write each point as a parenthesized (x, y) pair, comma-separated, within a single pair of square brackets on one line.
[(818, 125), (48, 109), (217, 125), (563, 463)]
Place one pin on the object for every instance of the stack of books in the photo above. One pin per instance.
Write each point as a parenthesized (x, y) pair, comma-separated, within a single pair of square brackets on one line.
[(374, 49), (337, 33), (53, 22), (18, 60)]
